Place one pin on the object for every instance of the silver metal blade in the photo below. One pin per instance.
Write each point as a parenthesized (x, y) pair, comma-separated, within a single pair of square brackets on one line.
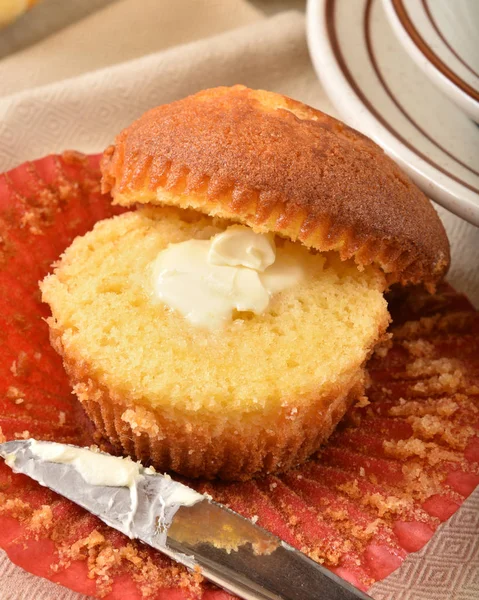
[(230, 550)]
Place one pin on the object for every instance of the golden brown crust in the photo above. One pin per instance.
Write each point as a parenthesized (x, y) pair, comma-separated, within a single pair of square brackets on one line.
[(275, 164), (186, 445)]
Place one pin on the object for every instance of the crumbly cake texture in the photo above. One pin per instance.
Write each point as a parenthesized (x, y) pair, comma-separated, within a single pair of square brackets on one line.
[(259, 395), (278, 165), (401, 463)]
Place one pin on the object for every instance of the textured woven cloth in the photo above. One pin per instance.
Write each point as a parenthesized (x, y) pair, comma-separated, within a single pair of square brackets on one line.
[(77, 87)]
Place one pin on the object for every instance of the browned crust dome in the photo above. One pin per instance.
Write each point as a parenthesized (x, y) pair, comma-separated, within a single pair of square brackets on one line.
[(278, 165)]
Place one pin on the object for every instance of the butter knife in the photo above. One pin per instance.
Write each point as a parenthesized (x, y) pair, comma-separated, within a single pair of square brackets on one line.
[(191, 528)]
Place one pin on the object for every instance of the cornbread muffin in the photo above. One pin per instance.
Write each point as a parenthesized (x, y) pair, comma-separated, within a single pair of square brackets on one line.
[(260, 393), (328, 222)]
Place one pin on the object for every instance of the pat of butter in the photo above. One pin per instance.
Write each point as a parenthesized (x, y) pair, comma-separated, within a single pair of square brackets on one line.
[(241, 247), (238, 269)]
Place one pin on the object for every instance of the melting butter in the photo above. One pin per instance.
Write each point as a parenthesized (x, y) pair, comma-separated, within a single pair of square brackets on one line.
[(237, 269), (94, 467), (154, 498), (240, 246)]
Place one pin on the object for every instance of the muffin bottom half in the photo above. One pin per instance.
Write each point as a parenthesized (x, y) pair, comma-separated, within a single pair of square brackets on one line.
[(214, 446), (259, 396)]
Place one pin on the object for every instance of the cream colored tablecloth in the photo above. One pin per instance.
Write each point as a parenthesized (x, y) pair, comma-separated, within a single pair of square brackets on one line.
[(77, 87)]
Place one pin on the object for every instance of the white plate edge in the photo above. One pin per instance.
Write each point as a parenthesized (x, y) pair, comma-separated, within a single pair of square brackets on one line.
[(446, 192), (448, 87)]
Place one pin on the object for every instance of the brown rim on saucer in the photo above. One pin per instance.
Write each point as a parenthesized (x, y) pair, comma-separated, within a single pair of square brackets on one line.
[(331, 27), (428, 52)]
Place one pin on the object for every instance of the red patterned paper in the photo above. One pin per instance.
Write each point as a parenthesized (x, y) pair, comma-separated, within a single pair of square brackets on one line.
[(398, 465)]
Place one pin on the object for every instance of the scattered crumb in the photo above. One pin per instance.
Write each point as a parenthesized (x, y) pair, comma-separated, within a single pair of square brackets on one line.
[(13, 393), (424, 367), (425, 326), (429, 451), (446, 383), (14, 507), (336, 515), (386, 505), (383, 348), (443, 407), (42, 518), (419, 348), (362, 402), (21, 366), (351, 488)]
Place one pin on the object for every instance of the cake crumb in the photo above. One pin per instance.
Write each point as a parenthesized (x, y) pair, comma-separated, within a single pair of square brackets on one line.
[(336, 515), (444, 407), (42, 518), (141, 421), (382, 349), (21, 366), (428, 451), (350, 488), (424, 367), (419, 348), (445, 383), (386, 505), (13, 393), (362, 402)]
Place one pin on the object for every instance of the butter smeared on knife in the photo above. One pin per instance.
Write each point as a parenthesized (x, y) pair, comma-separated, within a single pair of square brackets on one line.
[(193, 530)]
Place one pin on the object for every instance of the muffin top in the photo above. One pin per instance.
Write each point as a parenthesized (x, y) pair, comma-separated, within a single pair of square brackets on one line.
[(277, 165)]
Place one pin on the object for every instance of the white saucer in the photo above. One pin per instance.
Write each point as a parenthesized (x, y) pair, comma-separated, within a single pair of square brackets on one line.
[(378, 89), (441, 36)]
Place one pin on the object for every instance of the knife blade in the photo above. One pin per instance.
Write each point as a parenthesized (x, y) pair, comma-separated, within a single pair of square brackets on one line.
[(191, 528)]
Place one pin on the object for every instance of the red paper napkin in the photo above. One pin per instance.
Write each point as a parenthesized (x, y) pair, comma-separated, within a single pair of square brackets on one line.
[(400, 463)]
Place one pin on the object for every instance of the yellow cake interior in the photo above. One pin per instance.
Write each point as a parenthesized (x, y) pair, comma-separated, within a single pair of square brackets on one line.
[(312, 338)]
